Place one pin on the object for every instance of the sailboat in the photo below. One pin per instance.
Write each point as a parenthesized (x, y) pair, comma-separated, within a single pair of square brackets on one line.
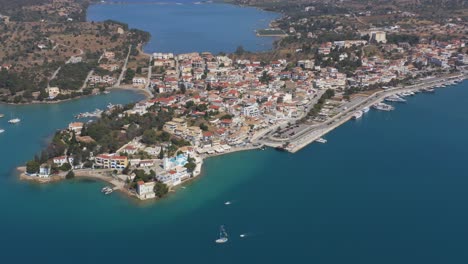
[(223, 236)]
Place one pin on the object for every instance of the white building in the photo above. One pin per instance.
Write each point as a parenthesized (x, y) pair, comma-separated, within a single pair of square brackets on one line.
[(44, 172), (163, 56), (174, 177), (52, 92), (76, 127), (251, 110), (378, 36), (59, 161), (145, 190), (139, 81)]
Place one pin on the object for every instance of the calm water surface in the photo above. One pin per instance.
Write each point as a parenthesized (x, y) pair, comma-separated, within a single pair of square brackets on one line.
[(389, 188), (188, 27)]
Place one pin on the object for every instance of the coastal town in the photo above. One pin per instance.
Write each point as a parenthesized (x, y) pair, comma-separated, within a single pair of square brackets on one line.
[(200, 104), (218, 106)]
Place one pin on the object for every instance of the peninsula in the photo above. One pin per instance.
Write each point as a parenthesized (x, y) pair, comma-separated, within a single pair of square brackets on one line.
[(335, 63)]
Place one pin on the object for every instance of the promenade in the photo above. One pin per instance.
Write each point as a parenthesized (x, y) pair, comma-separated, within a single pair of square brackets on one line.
[(310, 134)]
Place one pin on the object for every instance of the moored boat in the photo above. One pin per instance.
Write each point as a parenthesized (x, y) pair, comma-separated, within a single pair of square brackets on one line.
[(321, 140), (2, 115), (383, 107), (365, 109), (428, 90), (357, 115), (395, 98)]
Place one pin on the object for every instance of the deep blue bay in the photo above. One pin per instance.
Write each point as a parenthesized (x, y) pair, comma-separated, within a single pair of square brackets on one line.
[(389, 188), (185, 26)]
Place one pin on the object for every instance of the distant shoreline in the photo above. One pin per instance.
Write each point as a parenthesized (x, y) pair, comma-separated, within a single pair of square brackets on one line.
[(136, 90)]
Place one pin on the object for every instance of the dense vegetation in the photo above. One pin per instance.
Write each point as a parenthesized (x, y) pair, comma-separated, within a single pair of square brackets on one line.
[(314, 111), (72, 76)]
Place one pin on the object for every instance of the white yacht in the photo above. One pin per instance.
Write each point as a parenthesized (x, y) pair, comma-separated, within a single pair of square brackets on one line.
[(383, 107), (14, 121), (365, 110), (321, 140), (395, 98), (223, 236), (2, 130)]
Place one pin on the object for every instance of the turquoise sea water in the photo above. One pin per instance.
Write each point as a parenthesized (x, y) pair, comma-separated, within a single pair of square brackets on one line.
[(389, 188), (188, 27)]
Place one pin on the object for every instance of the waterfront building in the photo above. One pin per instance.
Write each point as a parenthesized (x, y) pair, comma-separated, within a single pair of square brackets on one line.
[(53, 92), (76, 127), (163, 56), (111, 161), (174, 177), (145, 190), (44, 172), (137, 81)]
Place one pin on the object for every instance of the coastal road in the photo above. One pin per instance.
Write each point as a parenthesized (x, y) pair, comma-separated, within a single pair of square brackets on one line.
[(312, 133), (53, 76), (148, 81), (282, 124)]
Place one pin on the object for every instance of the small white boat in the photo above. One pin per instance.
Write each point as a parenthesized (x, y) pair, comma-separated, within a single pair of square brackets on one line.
[(428, 90), (365, 110), (107, 190), (2, 130), (357, 115), (321, 140), (2, 115), (242, 235), (223, 236), (227, 203), (14, 121), (383, 107)]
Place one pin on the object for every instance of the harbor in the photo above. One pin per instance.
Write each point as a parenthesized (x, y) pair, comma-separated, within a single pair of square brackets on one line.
[(310, 134)]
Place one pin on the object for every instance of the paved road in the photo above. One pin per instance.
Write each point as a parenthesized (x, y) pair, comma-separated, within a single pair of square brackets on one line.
[(124, 68), (148, 82), (86, 80), (312, 132)]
